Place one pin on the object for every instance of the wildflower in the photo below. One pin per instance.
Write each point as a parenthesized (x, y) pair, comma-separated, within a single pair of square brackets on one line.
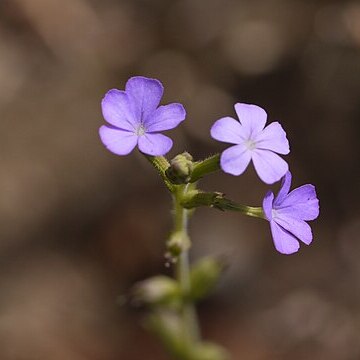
[(136, 118), (288, 213), (252, 142)]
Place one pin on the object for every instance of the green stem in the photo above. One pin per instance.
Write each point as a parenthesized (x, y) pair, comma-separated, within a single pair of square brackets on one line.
[(191, 333), (246, 210), (217, 200), (204, 167)]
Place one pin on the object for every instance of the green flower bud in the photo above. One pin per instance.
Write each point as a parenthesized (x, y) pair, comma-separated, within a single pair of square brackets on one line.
[(168, 326), (208, 351), (177, 243), (180, 169), (157, 290), (204, 276)]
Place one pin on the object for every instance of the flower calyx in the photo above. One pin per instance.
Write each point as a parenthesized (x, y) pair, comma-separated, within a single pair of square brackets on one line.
[(217, 200), (196, 198)]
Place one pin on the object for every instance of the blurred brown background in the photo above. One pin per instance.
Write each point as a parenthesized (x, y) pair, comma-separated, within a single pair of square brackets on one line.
[(79, 225)]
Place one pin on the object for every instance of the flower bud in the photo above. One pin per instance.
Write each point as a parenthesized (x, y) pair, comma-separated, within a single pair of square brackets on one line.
[(177, 243), (157, 290), (180, 169), (204, 275), (168, 326), (208, 351)]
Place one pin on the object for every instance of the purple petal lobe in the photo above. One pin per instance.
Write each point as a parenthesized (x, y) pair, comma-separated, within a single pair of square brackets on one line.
[(144, 95), (287, 215), (273, 138), (228, 130), (295, 226), (117, 111), (155, 144), (269, 166), (301, 202), (252, 117), (165, 117), (284, 242), (267, 205), (235, 159), (284, 189), (118, 141)]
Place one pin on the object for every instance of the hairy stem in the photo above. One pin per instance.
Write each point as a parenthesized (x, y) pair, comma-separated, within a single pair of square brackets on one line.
[(204, 167), (217, 200), (160, 163)]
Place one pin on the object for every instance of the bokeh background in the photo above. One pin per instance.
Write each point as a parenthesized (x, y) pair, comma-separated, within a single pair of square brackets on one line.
[(79, 225)]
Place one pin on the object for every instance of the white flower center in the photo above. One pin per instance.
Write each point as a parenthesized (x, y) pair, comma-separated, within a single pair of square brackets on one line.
[(250, 144), (140, 131)]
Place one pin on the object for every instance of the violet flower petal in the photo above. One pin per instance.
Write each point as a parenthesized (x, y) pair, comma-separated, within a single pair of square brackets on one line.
[(284, 242), (273, 138), (268, 204), (301, 202), (165, 117), (269, 166), (228, 130), (117, 111), (118, 141), (144, 95), (154, 144), (235, 159), (297, 227), (284, 189), (252, 117)]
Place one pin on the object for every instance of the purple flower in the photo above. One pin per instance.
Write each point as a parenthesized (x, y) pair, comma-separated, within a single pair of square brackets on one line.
[(136, 118), (252, 142), (287, 214)]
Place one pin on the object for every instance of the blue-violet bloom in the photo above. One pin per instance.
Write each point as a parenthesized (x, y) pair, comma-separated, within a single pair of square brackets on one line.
[(252, 142), (135, 118), (288, 213)]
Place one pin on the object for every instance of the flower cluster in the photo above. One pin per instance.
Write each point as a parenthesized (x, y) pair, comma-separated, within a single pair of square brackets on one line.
[(135, 118)]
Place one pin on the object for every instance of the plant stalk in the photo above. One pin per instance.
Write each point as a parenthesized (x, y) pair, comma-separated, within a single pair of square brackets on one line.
[(191, 332)]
